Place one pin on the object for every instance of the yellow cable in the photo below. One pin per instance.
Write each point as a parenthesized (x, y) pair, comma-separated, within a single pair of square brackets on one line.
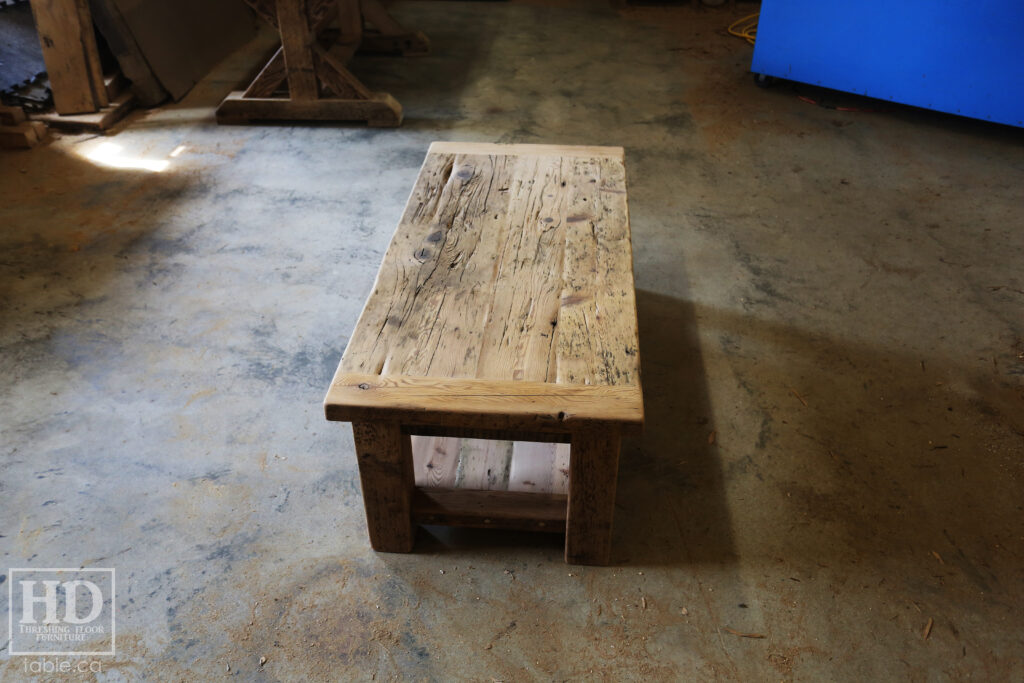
[(745, 28)]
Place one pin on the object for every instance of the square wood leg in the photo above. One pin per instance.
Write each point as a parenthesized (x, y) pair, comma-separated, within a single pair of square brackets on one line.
[(593, 473), (384, 455)]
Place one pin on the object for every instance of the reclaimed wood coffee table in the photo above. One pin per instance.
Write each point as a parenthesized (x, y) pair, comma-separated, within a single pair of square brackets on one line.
[(504, 310)]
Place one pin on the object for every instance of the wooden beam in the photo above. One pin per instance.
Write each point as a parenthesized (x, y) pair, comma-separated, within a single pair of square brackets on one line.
[(490, 509), (96, 121), (500, 434), (385, 471), (297, 42), (484, 404), (493, 149), (72, 60), (593, 471), (381, 110)]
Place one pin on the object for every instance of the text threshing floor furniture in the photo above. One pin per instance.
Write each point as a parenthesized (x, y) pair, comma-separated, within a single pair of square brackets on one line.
[(505, 310)]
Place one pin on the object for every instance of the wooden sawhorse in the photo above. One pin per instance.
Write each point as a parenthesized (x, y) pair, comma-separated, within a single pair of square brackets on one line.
[(306, 79)]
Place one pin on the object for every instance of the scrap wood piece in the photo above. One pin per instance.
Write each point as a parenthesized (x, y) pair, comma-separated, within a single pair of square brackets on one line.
[(23, 135), (928, 628), (96, 121), (743, 635), (799, 397)]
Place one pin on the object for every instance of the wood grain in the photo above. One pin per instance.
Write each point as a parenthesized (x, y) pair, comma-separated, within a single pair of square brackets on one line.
[(487, 404), (539, 467), (484, 465), (505, 304), (384, 455), (511, 263), (503, 465), (490, 148), (435, 460), (296, 41), (72, 59), (593, 472)]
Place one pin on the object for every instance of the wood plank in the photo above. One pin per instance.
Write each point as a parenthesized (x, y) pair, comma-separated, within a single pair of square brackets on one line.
[(384, 455), (493, 250), (477, 433), (435, 460), (487, 404), (490, 148), (539, 467), (297, 42), (483, 465), (597, 339), (490, 509), (593, 472), (96, 121), (68, 40), (520, 333), (381, 110)]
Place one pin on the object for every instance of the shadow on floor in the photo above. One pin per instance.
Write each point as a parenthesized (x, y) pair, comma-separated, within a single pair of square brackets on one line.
[(671, 507), (873, 454)]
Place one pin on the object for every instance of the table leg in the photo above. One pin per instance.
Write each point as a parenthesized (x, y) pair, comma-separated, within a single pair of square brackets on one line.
[(385, 469), (593, 471)]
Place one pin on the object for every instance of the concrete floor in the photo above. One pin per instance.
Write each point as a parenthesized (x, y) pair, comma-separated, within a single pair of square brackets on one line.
[(832, 333)]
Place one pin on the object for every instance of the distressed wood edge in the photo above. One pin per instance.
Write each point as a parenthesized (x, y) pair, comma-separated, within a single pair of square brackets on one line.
[(452, 147), (483, 403)]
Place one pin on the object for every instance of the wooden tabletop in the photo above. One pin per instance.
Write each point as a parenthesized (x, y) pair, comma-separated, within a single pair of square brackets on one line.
[(505, 300)]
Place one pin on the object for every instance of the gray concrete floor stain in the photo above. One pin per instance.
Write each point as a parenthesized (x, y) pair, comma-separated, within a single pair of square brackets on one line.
[(832, 340)]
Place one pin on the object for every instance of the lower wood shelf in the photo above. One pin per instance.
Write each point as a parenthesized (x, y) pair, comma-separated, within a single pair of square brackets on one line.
[(491, 509)]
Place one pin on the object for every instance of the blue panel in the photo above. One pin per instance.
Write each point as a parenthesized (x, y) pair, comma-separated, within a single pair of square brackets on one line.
[(950, 55)]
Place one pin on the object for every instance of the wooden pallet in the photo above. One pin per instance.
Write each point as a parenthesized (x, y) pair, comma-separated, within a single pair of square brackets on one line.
[(307, 78), (504, 309)]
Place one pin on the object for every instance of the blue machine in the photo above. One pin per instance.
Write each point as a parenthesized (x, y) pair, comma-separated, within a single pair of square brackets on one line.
[(953, 56)]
